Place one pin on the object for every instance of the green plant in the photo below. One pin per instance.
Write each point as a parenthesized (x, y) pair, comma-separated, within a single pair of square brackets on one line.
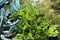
[(35, 24)]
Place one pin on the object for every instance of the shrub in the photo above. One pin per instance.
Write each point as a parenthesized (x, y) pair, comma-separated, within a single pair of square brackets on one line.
[(35, 22)]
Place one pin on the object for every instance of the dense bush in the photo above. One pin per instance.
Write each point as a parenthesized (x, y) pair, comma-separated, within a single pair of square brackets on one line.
[(38, 22)]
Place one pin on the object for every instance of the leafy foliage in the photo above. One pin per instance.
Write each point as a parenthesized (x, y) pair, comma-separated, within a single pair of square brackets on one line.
[(38, 22)]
